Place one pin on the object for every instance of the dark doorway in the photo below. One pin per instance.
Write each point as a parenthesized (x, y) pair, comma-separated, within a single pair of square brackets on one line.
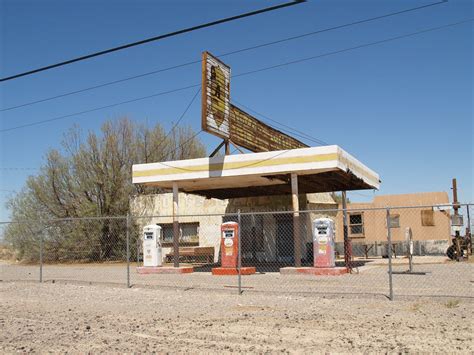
[(251, 234), (284, 238)]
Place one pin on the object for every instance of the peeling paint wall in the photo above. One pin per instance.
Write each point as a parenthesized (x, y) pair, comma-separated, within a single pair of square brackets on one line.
[(191, 206)]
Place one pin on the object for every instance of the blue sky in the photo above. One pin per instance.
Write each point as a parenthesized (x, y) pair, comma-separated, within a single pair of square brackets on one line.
[(404, 108)]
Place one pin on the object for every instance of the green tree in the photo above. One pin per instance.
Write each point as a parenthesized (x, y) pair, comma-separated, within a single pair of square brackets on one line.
[(90, 177)]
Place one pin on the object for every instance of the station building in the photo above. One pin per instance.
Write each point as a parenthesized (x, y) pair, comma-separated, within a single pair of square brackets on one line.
[(268, 237)]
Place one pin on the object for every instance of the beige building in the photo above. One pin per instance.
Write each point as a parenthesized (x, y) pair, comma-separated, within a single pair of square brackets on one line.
[(430, 226), (268, 237)]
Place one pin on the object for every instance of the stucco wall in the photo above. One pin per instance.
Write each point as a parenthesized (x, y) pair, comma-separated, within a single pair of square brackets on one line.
[(375, 226), (160, 207)]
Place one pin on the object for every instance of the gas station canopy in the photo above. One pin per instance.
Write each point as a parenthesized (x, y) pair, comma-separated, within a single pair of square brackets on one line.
[(319, 169)]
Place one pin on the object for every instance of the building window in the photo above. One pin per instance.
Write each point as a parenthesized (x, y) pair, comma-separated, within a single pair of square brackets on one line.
[(356, 225), (188, 233), (427, 218), (394, 221)]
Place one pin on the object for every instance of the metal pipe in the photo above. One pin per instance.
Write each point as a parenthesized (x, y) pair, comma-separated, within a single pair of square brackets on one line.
[(128, 248), (455, 197), (389, 237), (41, 258), (296, 220), (239, 253), (347, 249), (469, 229), (175, 225), (410, 250)]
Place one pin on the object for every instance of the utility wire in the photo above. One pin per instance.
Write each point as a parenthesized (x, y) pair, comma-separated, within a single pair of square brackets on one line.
[(156, 38), (98, 108), (159, 145), (184, 143), (359, 194), (287, 39), (100, 86), (290, 129), (244, 74), (10, 168), (356, 47), (276, 155), (180, 118)]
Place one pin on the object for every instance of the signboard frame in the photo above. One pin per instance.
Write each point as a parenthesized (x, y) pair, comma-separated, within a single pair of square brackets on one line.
[(215, 117), (225, 120)]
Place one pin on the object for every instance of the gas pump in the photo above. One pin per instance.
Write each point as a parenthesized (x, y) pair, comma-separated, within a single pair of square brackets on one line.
[(152, 253), (323, 243), (230, 244)]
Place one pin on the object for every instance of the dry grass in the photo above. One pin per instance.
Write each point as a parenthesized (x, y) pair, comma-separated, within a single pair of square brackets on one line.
[(415, 307), (6, 253), (452, 303)]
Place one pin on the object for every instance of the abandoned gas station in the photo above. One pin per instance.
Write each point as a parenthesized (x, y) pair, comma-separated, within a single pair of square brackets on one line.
[(279, 165)]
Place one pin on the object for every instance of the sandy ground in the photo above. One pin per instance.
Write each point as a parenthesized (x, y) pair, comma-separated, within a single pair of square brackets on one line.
[(438, 278), (76, 318)]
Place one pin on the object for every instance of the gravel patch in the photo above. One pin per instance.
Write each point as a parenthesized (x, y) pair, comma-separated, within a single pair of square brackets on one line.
[(77, 318)]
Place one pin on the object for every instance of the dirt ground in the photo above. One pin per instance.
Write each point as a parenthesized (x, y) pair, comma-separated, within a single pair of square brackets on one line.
[(438, 278), (63, 317)]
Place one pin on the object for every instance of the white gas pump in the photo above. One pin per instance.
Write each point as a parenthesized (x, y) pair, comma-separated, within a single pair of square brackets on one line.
[(323, 243), (152, 252)]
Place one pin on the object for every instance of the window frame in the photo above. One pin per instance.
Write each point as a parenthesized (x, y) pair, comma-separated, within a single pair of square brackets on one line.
[(182, 243), (361, 224), (425, 221)]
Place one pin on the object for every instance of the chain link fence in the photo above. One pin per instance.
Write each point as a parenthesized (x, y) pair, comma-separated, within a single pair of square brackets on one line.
[(391, 252)]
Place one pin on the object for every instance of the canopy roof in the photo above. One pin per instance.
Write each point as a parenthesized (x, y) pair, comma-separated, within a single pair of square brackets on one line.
[(319, 169)]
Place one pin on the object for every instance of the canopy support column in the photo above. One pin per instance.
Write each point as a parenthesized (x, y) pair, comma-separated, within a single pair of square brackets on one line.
[(227, 147), (347, 242), (296, 220), (175, 225)]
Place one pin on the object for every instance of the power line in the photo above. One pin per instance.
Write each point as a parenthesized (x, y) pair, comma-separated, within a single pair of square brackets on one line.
[(359, 194), (180, 118), (185, 142), (353, 48), (98, 108), (287, 39), (243, 74), (99, 86), (11, 168), (290, 129), (155, 38), (277, 154)]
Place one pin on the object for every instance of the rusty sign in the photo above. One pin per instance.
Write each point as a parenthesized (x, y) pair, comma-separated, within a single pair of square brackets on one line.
[(215, 96), (256, 136), (231, 123)]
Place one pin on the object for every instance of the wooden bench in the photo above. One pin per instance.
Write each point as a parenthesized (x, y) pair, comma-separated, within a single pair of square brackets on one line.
[(195, 254)]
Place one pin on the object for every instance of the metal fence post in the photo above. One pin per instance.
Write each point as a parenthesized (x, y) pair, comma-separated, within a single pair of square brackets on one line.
[(389, 237), (128, 249), (469, 229), (41, 257), (347, 241), (239, 254)]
